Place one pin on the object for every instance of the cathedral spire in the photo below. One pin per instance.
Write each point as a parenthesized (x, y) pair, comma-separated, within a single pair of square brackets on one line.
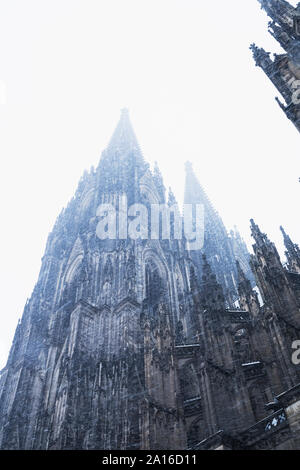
[(122, 163), (281, 11), (171, 197), (283, 70), (271, 277), (218, 246), (248, 297), (123, 137), (119, 348), (259, 237), (158, 180), (292, 252), (287, 240)]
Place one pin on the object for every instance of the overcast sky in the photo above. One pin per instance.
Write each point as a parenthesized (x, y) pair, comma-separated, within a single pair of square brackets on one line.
[(184, 70)]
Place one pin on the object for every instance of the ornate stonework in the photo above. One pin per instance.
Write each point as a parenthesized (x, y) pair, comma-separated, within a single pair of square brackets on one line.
[(283, 69), (140, 344)]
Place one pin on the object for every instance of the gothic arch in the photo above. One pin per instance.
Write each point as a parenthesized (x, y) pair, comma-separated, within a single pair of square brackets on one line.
[(155, 277), (151, 257), (74, 261), (189, 382), (73, 268), (107, 276), (236, 331), (86, 200), (147, 188)]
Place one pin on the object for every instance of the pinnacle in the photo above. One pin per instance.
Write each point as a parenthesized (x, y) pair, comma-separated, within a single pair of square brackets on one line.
[(254, 226), (171, 197), (283, 231)]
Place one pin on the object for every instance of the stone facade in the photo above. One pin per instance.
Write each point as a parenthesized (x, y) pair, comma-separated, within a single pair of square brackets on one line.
[(143, 344), (284, 69)]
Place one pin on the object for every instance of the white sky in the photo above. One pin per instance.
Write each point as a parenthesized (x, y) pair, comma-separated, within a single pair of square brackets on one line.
[(184, 70)]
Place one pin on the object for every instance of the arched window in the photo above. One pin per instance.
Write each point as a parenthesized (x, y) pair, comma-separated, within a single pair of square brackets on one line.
[(189, 382), (71, 281), (153, 284)]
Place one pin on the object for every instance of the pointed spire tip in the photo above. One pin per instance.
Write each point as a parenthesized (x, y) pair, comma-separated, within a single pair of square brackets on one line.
[(188, 166)]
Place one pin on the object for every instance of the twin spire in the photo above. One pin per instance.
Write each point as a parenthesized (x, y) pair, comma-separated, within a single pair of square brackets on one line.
[(124, 141)]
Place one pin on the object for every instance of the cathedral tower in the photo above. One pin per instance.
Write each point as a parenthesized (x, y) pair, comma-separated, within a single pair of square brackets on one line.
[(220, 248), (132, 341), (92, 363)]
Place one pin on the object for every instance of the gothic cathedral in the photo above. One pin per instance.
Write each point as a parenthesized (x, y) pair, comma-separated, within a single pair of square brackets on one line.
[(143, 343)]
